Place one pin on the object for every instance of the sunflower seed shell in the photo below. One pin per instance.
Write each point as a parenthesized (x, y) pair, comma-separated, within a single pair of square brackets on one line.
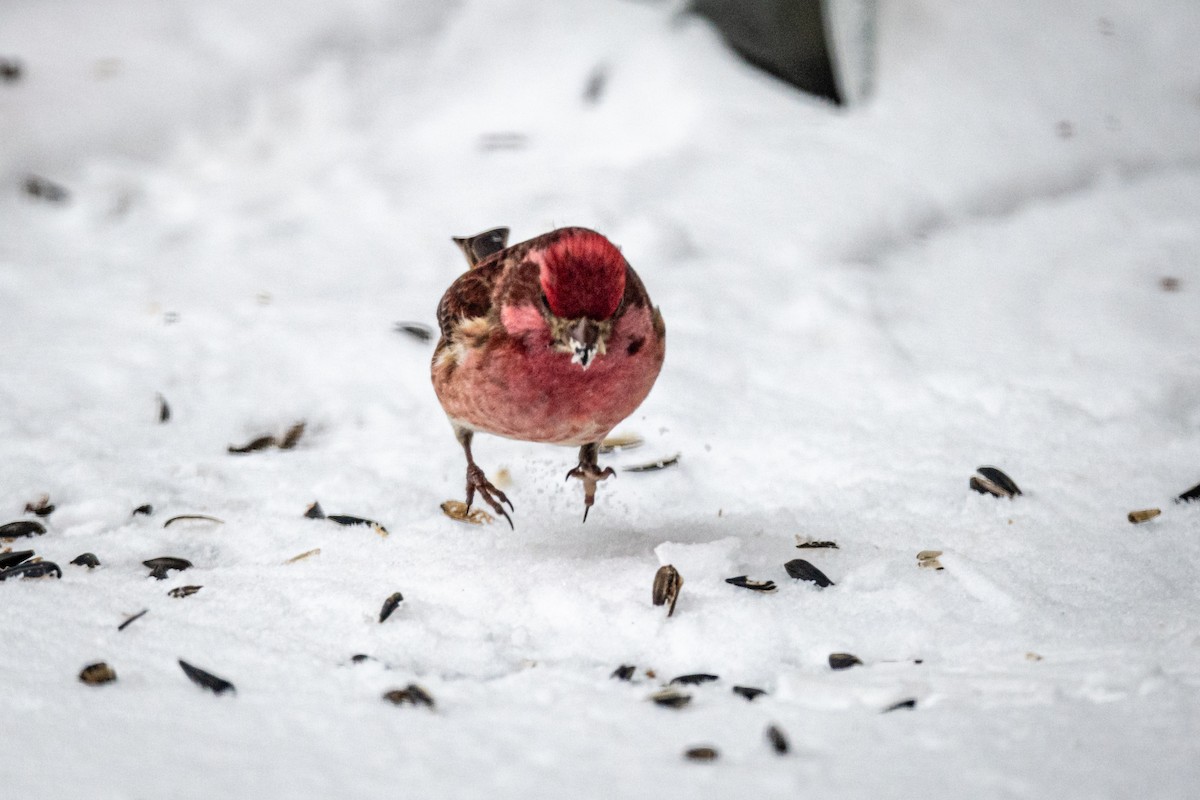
[(667, 584), (97, 674), (411, 695), (20, 528), (802, 570), (701, 754), (778, 740), (839, 661), (206, 680), (390, 605)]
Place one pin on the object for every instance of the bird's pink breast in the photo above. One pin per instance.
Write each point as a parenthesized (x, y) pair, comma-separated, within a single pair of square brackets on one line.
[(519, 387)]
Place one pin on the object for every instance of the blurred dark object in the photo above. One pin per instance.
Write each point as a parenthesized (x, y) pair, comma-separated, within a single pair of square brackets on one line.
[(824, 47), (45, 189), (593, 90), (503, 140), (418, 330), (10, 70)]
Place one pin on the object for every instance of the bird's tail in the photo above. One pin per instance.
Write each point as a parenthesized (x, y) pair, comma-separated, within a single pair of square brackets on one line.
[(478, 247)]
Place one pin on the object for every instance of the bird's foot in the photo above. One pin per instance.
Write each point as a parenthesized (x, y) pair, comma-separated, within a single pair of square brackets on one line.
[(591, 475), (477, 481)]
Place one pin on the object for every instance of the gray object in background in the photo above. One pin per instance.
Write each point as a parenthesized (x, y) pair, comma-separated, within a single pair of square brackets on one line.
[(826, 47)]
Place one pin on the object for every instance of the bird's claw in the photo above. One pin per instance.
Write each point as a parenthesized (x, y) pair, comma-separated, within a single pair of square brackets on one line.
[(476, 480), (591, 475)]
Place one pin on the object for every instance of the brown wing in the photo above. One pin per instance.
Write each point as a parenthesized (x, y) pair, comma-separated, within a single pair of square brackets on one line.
[(469, 296)]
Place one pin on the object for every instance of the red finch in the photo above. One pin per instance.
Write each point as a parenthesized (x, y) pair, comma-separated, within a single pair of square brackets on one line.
[(551, 340)]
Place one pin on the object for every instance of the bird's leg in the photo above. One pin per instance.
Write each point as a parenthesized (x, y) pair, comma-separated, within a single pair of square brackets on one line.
[(590, 473), (476, 480)]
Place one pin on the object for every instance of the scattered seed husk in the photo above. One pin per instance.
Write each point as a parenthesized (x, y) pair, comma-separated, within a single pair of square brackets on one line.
[(316, 551), (315, 511), (1032, 656), (346, 519), (410, 695), (23, 527), (192, 518), (695, 679), (184, 591), (671, 698), (928, 559), (418, 330), (390, 605), (32, 569), (14, 557), (502, 478), (621, 441), (206, 679), (991, 480), (748, 692), (746, 583), (42, 507), (700, 754), (88, 560), (998, 477), (457, 510), (652, 466), (804, 543), (132, 619), (161, 565), (802, 570), (667, 584), (911, 702), (984, 486), (97, 674), (45, 189), (292, 436), (624, 672), (147, 509), (1190, 495), (261, 443), (164, 410), (779, 742), (840, 661), (1137, 517)]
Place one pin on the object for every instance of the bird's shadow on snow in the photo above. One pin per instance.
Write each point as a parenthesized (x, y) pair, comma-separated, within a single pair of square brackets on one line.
[(614, 539)]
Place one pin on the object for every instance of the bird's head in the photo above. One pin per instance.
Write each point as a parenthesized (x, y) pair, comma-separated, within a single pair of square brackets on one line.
[(583, 280)]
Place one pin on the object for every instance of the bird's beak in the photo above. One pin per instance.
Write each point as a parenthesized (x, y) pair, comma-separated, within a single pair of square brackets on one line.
[(582, 354), (585, 342)]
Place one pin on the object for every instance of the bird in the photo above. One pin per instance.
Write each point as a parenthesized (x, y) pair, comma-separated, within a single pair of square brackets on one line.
[(551, 340)]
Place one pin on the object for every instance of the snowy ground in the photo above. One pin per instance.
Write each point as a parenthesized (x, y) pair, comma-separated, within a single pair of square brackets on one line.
[(862, 307)]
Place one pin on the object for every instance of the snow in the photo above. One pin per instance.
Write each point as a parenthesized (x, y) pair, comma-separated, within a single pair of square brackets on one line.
[(862, 306)]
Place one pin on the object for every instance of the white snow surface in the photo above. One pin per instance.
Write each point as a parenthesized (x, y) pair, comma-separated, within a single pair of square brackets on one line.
[(862, 306)]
